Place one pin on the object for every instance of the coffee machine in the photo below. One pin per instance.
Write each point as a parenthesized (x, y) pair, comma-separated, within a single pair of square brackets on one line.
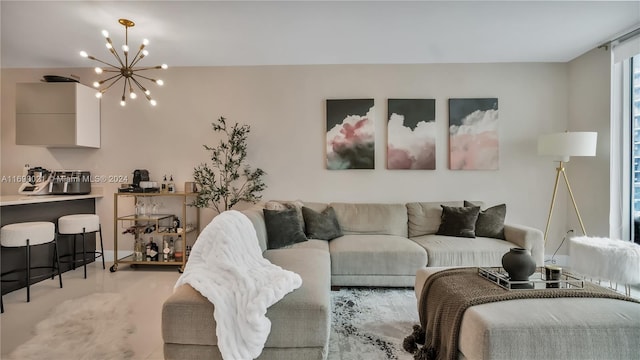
[(36, 182)]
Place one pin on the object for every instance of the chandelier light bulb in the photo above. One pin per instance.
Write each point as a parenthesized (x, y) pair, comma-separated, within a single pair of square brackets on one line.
[(99, 95), (133, 95), (84, 54), (159, 82), (145, 42), (125, 48), (98, 70), (145, 52), (147, 92), (96, 84), (105, 33), (153, 102), (122, 102), (109, 46), (164, 66)]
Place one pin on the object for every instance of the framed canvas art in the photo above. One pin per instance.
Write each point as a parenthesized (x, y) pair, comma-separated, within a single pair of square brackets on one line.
[(350, 137), (473, 134), (411, 134)]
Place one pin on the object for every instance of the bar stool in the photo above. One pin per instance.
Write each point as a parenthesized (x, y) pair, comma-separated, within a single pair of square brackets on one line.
[(81, 224), (27, 235)]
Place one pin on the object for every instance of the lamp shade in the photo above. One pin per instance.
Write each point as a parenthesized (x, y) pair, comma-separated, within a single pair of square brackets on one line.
[(567, 144)]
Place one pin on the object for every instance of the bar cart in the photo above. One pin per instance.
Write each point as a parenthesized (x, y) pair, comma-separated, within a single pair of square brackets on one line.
[(159, 222)]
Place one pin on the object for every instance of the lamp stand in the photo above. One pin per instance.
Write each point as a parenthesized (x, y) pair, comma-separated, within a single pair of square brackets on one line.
[(560, 170)]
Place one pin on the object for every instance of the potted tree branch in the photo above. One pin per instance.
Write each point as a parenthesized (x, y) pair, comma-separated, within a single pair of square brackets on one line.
[(228, 180)]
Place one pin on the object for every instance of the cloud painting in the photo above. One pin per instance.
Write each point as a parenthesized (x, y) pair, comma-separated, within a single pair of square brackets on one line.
[(473, 134), (411, 134), (350, 134)]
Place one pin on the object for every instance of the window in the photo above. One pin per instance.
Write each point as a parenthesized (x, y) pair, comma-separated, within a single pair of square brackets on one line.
[(634, 94)]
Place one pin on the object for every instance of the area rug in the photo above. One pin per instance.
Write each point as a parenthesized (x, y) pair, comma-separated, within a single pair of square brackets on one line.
[(370, 324), (94, 327)]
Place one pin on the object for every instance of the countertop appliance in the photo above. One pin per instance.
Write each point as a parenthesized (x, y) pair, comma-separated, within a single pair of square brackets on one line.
[(70, 182), (36, 182)]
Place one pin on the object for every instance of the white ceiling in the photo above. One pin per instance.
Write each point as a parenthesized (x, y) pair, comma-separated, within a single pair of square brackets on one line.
[(211, 33)]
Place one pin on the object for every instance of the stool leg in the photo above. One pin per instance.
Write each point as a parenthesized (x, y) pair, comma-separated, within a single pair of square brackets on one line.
[(28, 271), (101, 247), (74, 252), (84, 253), (55, 241)]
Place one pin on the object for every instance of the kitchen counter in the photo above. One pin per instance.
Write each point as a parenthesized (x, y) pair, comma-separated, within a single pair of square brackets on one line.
[(6, 200)]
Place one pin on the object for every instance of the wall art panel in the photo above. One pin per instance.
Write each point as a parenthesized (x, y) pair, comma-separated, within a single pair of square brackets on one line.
[(473, 134), (411, 134), (350, 134)]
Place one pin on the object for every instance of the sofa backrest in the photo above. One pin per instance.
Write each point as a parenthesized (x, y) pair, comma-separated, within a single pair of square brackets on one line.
[(256, 216), (425, 217), (373, 219)]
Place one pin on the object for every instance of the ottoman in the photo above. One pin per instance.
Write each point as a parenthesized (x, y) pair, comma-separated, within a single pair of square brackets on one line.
[(562, 328)]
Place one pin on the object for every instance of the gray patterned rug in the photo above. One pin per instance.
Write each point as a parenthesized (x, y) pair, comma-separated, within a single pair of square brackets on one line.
[(370, 324)]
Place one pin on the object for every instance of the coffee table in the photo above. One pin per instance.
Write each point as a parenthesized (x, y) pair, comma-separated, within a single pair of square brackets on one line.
[(561, 328)]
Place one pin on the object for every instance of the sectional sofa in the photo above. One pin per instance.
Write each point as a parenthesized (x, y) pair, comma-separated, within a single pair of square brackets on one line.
[(381, 245)]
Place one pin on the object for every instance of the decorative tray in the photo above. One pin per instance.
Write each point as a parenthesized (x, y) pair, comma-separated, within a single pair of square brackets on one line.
[(536, 281)]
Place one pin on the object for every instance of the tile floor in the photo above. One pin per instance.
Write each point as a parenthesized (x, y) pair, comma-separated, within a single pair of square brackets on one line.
[(145, 289)]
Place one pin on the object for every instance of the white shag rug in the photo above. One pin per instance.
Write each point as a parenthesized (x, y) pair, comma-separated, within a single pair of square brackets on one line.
[(371, 324), (94, 327)]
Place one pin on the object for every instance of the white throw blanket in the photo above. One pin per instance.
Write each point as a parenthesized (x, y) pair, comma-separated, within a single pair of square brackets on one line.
[(226, 266)]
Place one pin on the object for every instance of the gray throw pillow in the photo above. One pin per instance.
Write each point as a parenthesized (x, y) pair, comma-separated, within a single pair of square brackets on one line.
[(490, 221), (321, 226), (458, 221), (283, 228)]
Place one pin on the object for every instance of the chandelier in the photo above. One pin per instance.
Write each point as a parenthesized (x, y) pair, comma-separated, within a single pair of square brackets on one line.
[(125, 69)]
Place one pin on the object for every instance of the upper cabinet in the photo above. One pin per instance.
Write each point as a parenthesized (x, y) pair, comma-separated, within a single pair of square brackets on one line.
[(63, 114)]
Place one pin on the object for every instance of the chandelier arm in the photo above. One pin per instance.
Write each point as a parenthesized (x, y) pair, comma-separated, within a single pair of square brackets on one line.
[(104, 62), (114, 81), (148, 78), (124, 89), (107, 79), (136, 58), (115, 54), (157, 67), (144, 90)]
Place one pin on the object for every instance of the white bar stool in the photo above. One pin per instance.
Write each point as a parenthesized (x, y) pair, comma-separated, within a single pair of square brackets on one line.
[(26, 235), (81, 224)]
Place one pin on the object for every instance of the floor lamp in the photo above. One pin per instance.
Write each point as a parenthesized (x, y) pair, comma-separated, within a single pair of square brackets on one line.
[(563, 146)]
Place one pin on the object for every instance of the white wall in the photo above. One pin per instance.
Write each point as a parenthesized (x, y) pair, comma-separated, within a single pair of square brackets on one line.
[(589, 110), (285, 107)]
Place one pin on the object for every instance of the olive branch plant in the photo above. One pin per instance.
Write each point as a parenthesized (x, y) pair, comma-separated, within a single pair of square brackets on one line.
[(228, 180)]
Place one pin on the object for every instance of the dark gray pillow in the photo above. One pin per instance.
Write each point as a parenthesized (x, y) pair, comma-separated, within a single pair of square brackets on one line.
[(283, 228), (490, 221), (321, 226), (458, 221)]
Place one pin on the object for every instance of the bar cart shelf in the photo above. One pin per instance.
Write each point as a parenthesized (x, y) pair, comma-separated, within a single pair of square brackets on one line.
[(157, 225)]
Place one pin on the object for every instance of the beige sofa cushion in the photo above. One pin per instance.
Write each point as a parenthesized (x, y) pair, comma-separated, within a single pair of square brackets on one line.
[(380, 219), (375, 255), (457, 251), (424, 217)]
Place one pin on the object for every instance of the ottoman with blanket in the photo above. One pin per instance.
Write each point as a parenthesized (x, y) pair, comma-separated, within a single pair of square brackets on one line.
[(590, 323)]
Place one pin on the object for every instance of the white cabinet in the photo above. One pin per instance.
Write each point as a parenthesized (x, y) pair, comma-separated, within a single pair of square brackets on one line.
[(64, 114)]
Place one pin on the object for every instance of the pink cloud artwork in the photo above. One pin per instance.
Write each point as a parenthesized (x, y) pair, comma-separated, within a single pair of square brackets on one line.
[(409, 148), (473, 144), (351, 143)]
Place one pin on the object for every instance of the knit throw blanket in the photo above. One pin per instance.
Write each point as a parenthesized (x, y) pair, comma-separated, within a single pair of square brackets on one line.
[(448, 293), (226, 266)]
